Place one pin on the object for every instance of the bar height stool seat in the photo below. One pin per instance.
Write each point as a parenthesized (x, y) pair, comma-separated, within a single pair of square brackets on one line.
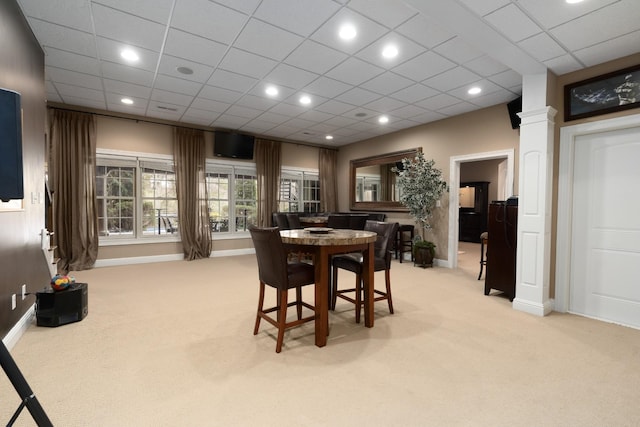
[(404, 241), (484, 239)]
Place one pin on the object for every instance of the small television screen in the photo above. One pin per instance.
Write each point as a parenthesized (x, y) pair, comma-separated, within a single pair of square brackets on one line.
[(232, 145), (514, 108), (11, 182)]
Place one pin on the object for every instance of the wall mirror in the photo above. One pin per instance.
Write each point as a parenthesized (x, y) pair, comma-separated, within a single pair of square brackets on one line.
[(372, 184)]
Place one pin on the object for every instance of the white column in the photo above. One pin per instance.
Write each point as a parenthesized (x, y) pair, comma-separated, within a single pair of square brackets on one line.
[(533, 258)]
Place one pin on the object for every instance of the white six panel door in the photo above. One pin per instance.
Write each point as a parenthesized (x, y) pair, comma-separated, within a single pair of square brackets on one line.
[(605, 265)]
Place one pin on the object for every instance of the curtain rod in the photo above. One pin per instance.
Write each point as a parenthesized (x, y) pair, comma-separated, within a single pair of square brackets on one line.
[(165, 122)]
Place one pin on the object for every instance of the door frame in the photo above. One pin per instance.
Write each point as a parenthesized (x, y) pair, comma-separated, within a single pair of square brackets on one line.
[(454, 184), (564, 234)]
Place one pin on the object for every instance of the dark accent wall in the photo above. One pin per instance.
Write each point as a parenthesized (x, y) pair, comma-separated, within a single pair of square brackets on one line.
[(21, 258)]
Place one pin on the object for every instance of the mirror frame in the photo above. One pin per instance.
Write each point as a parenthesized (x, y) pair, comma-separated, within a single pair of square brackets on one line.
[(387, 206)]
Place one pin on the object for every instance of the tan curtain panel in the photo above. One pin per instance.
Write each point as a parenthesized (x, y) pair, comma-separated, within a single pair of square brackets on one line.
[(327, 171), (267, 157), (73, 181), (193, 212)]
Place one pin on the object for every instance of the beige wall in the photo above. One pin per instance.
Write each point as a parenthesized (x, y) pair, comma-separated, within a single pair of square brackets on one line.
[(481, 131), (484, 170)]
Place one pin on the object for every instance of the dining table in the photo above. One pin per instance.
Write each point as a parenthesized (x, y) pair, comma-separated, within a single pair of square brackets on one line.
[(322, 243)]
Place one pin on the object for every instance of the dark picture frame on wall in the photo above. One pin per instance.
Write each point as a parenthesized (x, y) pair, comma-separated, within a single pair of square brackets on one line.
[(607, 93)]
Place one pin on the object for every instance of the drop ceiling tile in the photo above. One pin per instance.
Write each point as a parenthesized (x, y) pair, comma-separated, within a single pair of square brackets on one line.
[(83, 102), (209, 20), (152, 10), (127, 89), (542, 47), (485, 66), (201, 114), (67, 90), (70, 13), (425, 31), (507, 79), (315, 116), (314, 57), (220, 94), (341, 121), (166, 108), (301, 16), (384, 105), (227, 121), (237, 110), (487, 87), (202, 121), (457, 50), (354, 71), (300, 123), (171, 97), (457, 109), (428, 117), (70, 61), (194, 48), (495, 98), (266, 40), (126, 74), (295, 100), (437, 102), (286, 75), (109, 50), (409, 111), (248, 64), (288, 109), (407, 49), (59, 75), (513, 23), (126, 28), (259, 90), (169, 66), (236, 82), (609, 50), (164, 115), (52, 97), (424, 66), (563, 64), (177, 85), (63, 38), (259, 102), (452, 79), (274, 118), (210, 105), (387, 83), (326, 87), (485, 7), (334, 107), (550, 15), (391, 13), (367, 32), (414, 93), (257, 126), (357, 96)]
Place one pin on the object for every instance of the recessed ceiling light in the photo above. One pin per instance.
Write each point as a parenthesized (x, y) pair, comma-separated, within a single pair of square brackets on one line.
[(474, 90), (271, 90), (390, 51), (329, 137), (574, 1), (129, 55), (305, 100), (127, 101), (184, 70), (347, 32), (383, 119)]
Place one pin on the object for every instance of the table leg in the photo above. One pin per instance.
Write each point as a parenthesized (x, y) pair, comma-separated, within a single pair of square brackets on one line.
[(367, 276), (321, 296)]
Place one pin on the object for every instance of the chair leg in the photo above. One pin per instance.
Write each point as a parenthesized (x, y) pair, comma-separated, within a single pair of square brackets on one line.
[(299, 302), (358, 297), (282, 318), (387, 279), (334, 288), (260, 304)]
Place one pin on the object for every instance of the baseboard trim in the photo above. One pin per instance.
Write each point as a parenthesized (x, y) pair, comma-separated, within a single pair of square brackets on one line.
[(533, 308), (14, 335), (163, 258)]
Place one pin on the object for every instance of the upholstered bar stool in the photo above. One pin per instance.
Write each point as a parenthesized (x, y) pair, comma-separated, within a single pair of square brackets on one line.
[(484, 239), (404, 241)]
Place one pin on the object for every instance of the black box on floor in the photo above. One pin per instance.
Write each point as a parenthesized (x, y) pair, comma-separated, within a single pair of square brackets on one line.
[(55, 308)]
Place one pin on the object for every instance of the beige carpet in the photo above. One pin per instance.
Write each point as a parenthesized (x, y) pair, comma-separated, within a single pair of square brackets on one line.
[(171, 344)]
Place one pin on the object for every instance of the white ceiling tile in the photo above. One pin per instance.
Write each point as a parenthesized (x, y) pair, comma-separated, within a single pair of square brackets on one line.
[(425, 31), (288, 109), (171, 97), (513, 23), (274, 118), (452, 79), (266, 40), (609, 50), (202, 121), (314, 57), (153, 10), (247, 64), (209, 105), (367, 32), (437, 102), (53, 97), (414, 93), (334, 107), (231, 81), (258, 102), (71, 61), (387, 83), (66, 90), (177, 85), (428, 117), (341, 121), (169, 66), (457, 109), (194, 48), (109, 50), (384, 12), (63, 38), (506, 79), (128, 89), (354, 71), (301, 16), (384, 104), (126, 74), (72, 78), (457, 50), (553, 13), (357, 96), (327, 87), (240, 111), (484, 7), (485, 66), (83, 102), (227, 121), (409, 111), (164, 115), (424, 66), (286, 75), (495, 98), (166, 108), (207, 19), (70, 13), (220, 94), (542, 47), (315, 116), (257, 126), (127, 28)]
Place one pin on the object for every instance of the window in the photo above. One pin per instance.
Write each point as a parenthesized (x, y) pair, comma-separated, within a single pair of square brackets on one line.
[(299, 191), (233, 192), (136, 197)]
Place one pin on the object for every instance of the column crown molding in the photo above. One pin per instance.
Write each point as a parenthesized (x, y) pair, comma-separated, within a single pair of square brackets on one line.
[(533, 116)]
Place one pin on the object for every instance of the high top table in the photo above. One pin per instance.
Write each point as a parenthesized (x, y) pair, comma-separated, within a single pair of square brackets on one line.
[(322, 246)]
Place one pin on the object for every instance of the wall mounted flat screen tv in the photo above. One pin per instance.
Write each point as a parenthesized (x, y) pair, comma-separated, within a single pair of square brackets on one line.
[(11, 183), (514, 108), (232, 145)]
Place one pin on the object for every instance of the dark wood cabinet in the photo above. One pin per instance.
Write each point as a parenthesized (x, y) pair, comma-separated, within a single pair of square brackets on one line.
[(501, 250), (472, 220)]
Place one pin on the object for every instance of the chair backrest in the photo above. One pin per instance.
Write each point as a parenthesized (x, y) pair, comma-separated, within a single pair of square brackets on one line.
[(386, 232), (281, 220), (338, 221), (271, 255), (358, 221), (294, 221), (377, 216)]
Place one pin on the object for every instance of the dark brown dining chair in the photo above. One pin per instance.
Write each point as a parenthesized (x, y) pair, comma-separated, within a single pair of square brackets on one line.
[(357, 221), (338, 221), (353, 262), (275, 271), (294, 221)]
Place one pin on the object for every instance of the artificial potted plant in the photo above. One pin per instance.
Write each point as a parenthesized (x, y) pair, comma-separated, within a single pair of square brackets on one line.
[(421, 186)]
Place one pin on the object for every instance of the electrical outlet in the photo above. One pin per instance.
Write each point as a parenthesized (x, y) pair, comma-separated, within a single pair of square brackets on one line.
[(13, 302), (24, 292)]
